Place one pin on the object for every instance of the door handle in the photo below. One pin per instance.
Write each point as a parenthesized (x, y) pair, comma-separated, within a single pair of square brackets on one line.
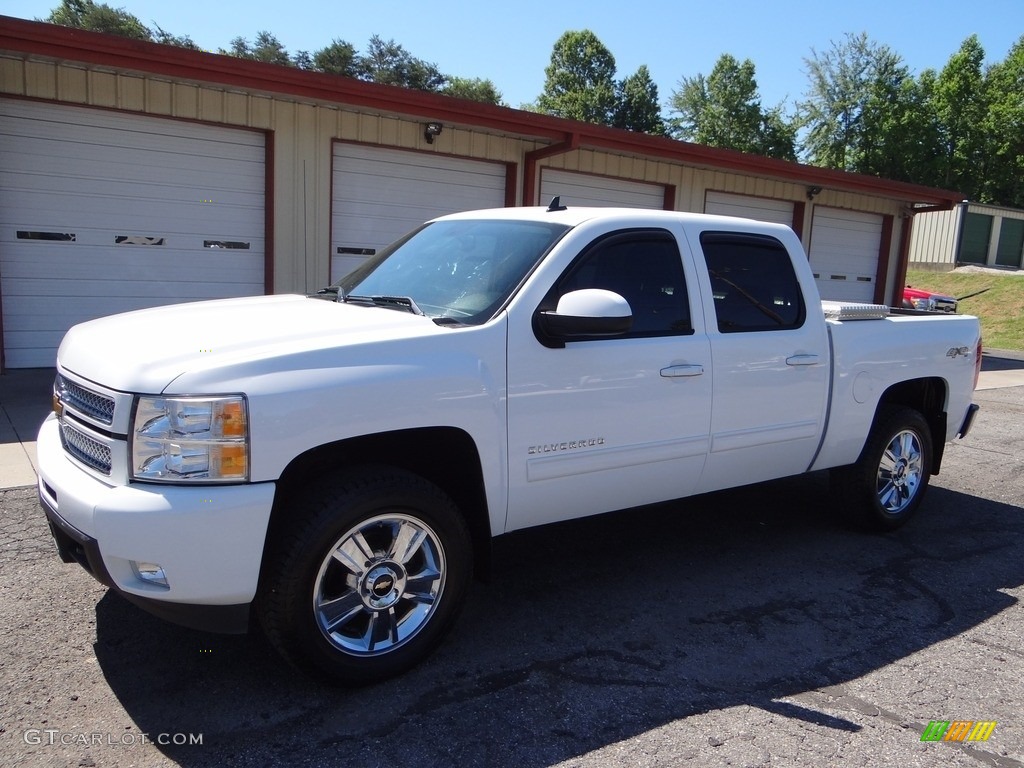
[(802, 360), (682, 371)]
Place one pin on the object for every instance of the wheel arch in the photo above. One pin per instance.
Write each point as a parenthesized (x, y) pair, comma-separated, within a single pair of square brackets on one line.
[(928, 396), (446, 456)]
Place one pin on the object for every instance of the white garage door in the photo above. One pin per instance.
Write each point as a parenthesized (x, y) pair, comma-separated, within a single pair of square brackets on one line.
[(758, 208), (104, 212), (582, 189), (380, 194), (844, 253)]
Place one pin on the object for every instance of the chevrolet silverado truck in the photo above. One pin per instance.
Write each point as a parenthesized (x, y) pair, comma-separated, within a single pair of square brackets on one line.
[(332, 468)]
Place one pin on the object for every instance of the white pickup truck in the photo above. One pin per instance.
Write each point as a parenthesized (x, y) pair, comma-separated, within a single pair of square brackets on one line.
[(335, 466)]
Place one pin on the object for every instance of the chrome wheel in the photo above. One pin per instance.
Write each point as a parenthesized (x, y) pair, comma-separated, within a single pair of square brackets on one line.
[(379, 584), (900, 471), (886, 485)]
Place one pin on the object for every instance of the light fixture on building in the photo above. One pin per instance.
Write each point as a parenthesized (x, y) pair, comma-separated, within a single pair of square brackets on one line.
[(430, 130), (813, 192)]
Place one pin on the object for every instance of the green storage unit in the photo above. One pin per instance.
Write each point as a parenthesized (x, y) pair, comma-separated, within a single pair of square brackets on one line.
[(976, 235), (1011, 243)]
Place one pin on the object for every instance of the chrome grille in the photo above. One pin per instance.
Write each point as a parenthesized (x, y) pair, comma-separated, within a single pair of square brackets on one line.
[(93, 404), (86, 449)]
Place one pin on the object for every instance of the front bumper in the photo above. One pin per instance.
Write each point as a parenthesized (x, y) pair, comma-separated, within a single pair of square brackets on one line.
[(208, 539)]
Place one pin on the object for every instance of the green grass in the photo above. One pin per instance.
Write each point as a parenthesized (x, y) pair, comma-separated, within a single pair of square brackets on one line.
[(1000, 309)]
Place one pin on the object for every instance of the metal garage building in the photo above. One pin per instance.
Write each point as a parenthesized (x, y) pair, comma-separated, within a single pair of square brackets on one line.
[(970, 233), (134, 174)]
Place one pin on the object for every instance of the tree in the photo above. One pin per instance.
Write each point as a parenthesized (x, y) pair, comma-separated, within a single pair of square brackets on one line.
[(181, 41), (636, 104), (85, 14), (778, 135), (899, 133), (842, 81), (267, 48), (1004, 85), (962, 108), (473, 89), (388, 63), (580, 80), (724, 110), (338, 58)]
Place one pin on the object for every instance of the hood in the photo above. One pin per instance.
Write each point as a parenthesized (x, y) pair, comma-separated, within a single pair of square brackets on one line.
[(145, 351)]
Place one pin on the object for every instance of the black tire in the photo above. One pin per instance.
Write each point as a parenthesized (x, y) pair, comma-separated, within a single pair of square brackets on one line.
[(366, 577), (884, 489)]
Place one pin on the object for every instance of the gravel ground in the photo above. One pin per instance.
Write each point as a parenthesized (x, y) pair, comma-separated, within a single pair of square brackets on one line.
[(746, 628)]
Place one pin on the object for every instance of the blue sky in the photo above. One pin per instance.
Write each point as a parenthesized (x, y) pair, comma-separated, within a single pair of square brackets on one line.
[(510, 43)]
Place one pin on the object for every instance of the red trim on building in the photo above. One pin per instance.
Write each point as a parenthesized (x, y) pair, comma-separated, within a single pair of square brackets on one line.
[(669, 203), (531, 178), (884, 248), (61, 43), (900, 281), (268, 212), (799, 212), (511, 177)]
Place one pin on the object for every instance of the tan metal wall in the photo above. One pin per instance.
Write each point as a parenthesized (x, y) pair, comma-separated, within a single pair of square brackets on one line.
[(933, 240)]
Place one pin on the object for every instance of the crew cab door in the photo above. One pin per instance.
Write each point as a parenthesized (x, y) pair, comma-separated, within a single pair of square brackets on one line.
[(608, 421), (771, 359)]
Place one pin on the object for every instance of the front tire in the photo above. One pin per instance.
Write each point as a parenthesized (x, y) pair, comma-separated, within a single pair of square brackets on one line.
[(368, 579), (884, 489)]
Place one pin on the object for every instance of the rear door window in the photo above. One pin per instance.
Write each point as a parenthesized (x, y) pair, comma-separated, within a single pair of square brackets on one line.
[(753, 283)]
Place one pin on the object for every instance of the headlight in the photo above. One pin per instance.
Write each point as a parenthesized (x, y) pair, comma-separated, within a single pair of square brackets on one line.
[(928, 304), (190, 439)]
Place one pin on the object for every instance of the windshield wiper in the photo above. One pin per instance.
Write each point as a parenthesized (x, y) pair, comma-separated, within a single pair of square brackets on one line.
[(388, 302), (330, 293)]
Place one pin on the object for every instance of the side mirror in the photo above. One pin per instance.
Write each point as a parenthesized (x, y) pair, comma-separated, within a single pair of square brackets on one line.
[(585, 314)]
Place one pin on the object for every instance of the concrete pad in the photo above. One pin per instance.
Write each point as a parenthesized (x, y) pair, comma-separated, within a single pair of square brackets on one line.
[(25, 400), (16, 468), (1000, 379), (1001, 368)]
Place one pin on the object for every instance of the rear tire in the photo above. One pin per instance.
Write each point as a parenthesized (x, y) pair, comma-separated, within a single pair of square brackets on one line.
[(884, 489), (369, 577)]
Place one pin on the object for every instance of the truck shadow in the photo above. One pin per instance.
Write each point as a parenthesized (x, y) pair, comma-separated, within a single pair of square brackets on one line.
[(596, 631), (992, 362)]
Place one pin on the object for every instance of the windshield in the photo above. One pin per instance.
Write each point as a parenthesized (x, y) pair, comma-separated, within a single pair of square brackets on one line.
[(462, 270)]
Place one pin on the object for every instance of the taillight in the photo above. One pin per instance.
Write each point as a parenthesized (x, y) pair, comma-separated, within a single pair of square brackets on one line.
[(977, 364)]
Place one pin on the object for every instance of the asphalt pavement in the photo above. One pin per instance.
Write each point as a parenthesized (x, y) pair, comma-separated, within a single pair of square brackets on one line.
[(744, 628)]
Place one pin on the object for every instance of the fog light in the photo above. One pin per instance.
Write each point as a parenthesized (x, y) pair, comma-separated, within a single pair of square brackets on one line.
[(151, 573)]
